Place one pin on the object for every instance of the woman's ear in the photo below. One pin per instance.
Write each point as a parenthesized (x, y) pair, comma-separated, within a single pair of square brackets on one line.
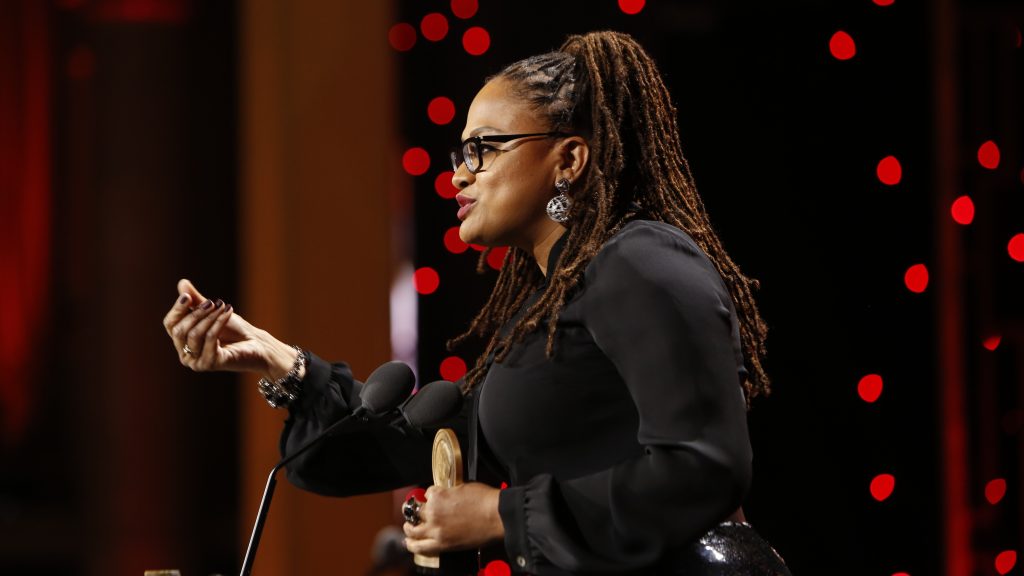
[(574, 154)]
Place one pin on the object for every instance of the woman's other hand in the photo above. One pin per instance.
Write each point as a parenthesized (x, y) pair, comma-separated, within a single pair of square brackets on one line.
[(457, 518), (208, 336)]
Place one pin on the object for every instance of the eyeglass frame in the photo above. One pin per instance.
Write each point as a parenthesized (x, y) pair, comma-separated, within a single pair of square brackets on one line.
[(458, 153)]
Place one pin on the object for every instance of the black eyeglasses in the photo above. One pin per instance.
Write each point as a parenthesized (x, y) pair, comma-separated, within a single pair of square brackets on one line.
[(473, 149)]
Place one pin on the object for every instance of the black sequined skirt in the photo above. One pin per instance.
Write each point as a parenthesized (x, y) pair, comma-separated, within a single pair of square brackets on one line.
[(730, 549)]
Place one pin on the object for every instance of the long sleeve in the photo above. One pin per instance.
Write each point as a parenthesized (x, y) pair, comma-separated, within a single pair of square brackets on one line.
[(660, 312), (366, 457)]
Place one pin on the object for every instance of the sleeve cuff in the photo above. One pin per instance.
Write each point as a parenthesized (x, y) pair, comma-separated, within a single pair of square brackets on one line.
[(512, 509), (316, 393)]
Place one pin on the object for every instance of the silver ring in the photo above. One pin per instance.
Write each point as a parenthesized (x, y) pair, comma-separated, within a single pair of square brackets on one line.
[(411, 511), (186, 350)]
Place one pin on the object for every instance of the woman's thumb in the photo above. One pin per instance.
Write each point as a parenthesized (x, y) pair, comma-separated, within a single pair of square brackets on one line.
[(186, 287)]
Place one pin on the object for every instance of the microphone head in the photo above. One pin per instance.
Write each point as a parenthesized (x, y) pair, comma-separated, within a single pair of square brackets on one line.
[(387, 387), (434, 404)]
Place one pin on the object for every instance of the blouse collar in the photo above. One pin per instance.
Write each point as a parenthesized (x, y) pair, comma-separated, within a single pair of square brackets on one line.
[(556, 251)]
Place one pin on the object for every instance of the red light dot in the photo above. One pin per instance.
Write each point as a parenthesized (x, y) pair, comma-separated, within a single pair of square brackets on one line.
[(441, 110), (963, 210), (434, 26), (988, 155), (842, 46), (402, 37), (416, 161), (992, 342), (453, 243), (916, 278), (882, 486), (889, 170), (901, 574), (496, 256), (631, 6), (1016, 247), (453, 368), (464, 8), (870, 387), (884, 2), (476, 40), (426, 280), (1005, 561), (443, 185), (418, 493), (504, 485), (995, 490), (497, 568), (478, 247)]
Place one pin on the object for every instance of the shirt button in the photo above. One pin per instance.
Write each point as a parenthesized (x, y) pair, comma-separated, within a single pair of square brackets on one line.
[(521, 561)]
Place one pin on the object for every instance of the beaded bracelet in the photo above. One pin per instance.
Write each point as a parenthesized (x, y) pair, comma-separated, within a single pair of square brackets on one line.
[(283, 391)]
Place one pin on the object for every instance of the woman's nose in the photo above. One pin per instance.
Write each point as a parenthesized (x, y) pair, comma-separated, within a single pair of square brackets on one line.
[(462, 177)]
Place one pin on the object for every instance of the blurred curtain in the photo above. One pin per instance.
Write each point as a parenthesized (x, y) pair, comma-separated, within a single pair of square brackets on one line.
[(25, 198)]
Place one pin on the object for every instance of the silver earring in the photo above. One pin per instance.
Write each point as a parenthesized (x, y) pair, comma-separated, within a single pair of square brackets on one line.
[(558, 207)]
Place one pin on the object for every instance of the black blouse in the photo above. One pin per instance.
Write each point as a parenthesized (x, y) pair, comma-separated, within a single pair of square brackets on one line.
[(628, 444)]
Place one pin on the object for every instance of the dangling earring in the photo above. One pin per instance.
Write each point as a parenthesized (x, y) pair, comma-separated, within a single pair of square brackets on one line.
[(558, 206)]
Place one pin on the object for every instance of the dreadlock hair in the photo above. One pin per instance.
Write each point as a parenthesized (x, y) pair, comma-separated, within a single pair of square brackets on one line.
[(605, 87)]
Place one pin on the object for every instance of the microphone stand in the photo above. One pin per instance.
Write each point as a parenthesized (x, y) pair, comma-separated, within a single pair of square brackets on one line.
[(268, 492)]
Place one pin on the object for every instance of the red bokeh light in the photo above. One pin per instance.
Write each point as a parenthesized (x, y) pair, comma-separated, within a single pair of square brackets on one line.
[(496, 256), (478, 247), (418, 493), (441, 110), (453, 368), (426, 280), (416, 161), (988, 155), (443, 185), (882, 486), (453, 243), (870, 387), (464, 8), (963, 210), (995, 490), (504, 485), (402, 37), (992, 342), (1016, 247), (1005, 561), (476, 40), (497, 568), (901, 574), (434, 26), (889, 170), (884, 2), (631, 6), (916, 278), (841, 45)]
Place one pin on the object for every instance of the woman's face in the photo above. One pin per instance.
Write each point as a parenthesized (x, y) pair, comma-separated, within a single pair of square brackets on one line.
[(507, 198)]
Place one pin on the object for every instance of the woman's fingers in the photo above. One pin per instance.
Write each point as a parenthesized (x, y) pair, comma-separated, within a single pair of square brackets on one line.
[(177, 312), (210, 328), (196, 338), (181, 331)]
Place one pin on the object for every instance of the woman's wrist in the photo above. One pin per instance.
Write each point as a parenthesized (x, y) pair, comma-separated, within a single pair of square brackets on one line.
[(280, 359)]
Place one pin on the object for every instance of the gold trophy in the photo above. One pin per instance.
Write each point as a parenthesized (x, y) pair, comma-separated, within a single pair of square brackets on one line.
[(446, 462)]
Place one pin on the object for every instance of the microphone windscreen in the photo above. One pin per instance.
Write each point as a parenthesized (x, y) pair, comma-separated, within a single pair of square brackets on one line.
[(433, 405), (387, 387)]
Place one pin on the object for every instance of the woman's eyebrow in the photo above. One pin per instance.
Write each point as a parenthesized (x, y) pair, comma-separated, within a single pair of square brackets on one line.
[(482, 129)]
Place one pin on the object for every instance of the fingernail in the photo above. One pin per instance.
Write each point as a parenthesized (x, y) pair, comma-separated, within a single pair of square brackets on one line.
[(206, 305), (183, 299), (219, 302)]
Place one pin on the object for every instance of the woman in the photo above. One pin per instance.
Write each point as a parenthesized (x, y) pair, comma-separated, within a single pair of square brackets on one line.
[(623, 344)]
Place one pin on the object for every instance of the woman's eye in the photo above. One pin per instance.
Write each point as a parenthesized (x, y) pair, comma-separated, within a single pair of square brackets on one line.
[(485, 148)]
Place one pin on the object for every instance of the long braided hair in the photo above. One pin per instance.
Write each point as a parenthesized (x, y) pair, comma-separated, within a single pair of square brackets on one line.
[(605, 87)]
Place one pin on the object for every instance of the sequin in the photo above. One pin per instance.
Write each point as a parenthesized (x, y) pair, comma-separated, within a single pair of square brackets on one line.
[(731, 549)]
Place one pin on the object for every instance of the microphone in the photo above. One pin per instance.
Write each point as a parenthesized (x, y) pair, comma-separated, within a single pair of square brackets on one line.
[(436, 403), (382, 393)]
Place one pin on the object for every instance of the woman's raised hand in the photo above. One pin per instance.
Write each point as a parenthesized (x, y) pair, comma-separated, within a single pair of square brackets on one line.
[(208, 335)]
